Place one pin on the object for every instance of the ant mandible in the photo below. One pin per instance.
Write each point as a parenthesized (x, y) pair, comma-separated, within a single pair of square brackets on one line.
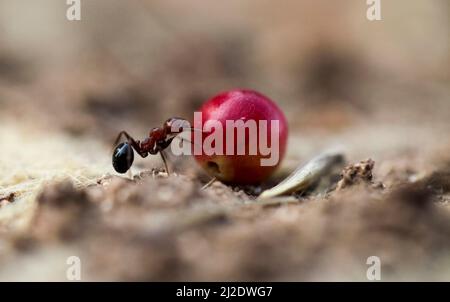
[(158, 139)]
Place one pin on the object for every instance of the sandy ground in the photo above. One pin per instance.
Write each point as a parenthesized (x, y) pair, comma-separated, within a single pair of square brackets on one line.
[(386, 99)]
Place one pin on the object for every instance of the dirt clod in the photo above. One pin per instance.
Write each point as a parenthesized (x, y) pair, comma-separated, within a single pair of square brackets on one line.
[(360, 173)]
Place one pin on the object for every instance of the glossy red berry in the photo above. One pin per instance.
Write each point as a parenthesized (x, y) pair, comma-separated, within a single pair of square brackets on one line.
[(245, 106)]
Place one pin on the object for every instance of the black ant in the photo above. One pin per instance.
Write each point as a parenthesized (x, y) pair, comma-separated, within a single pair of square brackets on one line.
[(158, 139)]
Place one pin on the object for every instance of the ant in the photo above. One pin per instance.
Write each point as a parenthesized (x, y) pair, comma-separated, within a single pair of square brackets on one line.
[(158, 140)]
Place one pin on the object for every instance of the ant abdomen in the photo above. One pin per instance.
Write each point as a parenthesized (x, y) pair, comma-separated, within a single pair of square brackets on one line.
[(123, 158)]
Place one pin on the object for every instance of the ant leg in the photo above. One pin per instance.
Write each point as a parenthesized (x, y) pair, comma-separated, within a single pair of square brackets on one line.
[(127, 136), (165, 162), (160, 147), (134, 143)]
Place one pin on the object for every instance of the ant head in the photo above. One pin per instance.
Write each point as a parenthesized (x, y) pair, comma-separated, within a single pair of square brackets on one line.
[(123, 157)]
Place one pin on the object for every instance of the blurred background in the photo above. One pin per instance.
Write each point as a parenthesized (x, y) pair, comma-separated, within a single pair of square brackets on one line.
[(130, 65), (378, 89)]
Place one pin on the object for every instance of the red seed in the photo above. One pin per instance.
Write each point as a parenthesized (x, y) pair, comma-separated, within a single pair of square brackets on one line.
[(243, 105)]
